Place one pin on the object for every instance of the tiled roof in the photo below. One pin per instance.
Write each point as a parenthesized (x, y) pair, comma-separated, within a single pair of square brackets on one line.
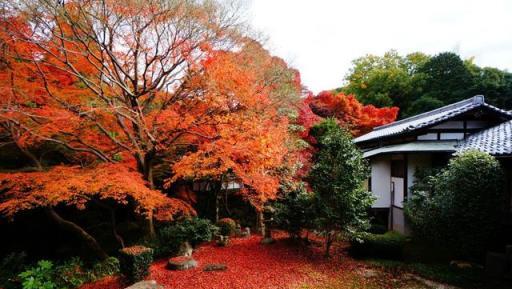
[(496, 140), (428, 118)]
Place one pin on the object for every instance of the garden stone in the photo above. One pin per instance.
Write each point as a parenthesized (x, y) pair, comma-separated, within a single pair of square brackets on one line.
[(185, 249), (215, 267), (246, 233), (461, 264), (495, 264), (145, 285), (223, 241), (181, 263), (267, 241)]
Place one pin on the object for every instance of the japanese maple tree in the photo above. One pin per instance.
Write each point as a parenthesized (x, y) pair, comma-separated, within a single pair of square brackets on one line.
[(350, 113), (128, 84)]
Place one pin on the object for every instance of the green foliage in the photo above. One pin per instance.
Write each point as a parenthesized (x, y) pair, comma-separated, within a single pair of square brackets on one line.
[(388, 80), (40, 276), (227, 226), (192, 230), (461, 206), (389, 245), (135, 261), (74, 273), (473, 277), (107, 267), (417, 82), (337, 177), (295, 210), (446, 78), (10, 266), (71, 273), (424, 103)]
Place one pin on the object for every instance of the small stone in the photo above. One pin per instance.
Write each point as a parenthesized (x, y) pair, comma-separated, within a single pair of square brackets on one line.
[(181, 263), (461, 264), (223, 241), (247, 232), (145, 285), (215, 267), (185, 249), (267, 241)]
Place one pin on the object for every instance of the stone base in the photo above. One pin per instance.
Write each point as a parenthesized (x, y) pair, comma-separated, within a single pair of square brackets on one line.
[(267, 241), (181, 263), (145, 285), (215, 267)]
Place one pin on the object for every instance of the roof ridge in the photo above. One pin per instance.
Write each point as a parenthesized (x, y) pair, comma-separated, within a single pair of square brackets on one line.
[(477, 100)]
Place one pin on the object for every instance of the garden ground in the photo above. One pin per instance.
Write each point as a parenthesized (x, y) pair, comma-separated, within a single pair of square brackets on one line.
[(285, 264)]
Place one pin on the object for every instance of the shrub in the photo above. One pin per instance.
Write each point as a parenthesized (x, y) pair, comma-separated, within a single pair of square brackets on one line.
[(71, 274), (40, 276), (294, 211), (193, 230), (107, 267), (389, 245), (227, 226), (135, 262), (10, 266), (74, 273), (461, 206), (336, 177)]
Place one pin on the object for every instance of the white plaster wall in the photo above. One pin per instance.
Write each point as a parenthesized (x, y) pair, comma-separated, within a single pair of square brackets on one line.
[(399, 191), (381, 181)]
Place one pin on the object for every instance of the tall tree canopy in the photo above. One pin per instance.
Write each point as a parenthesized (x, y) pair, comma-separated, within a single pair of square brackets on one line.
[(173, 85), (418, 82), (337, 177)]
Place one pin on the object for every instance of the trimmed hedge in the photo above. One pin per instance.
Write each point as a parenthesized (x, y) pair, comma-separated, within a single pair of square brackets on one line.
[(227, 226), (135, 262), (388, 246)]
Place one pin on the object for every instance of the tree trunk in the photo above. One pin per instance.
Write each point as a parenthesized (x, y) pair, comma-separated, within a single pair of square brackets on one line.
[(145, 166), (328, 242), (114, 230), (151, 226), (261, 222), (79, 232), (217, 206)]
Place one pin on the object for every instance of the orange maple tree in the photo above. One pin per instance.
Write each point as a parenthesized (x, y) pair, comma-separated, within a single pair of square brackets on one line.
[(252, 141), (350, 113), (106, 185), (130, 84)]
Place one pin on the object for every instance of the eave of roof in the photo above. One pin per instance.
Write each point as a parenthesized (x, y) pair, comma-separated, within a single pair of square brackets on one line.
[(417, 146), (429, 118)]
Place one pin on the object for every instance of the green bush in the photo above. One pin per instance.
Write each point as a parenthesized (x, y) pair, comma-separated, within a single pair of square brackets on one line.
[(460, 207), (294, 211), (73, 273), (135, 262), (107, 267), (193, 230), (10, 266), (388, 246), (227, 226), (41, 276)]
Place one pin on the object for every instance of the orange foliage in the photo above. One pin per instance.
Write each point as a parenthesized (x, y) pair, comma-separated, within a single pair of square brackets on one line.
[(74, 186), (350, 113), (172, 95), (249, 138)]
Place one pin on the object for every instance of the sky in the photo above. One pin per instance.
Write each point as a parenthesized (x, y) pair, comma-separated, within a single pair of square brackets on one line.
[(322, 37)]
